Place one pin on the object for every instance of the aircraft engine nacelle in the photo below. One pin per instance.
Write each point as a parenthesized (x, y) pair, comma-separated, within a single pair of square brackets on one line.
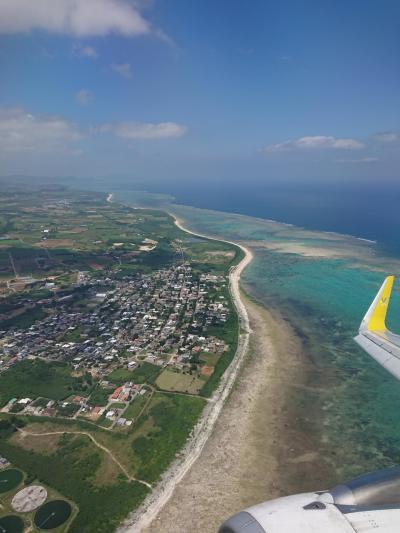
[(368, 503)]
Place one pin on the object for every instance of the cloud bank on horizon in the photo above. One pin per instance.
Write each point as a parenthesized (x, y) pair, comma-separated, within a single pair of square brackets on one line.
[(194, 90)]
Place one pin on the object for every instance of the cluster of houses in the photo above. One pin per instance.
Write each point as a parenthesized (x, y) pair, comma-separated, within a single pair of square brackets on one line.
[(106, 324), (149, 317), (78, 406)]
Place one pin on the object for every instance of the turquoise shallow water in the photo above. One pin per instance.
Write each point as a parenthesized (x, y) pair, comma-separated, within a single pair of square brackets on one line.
[(351, 406)]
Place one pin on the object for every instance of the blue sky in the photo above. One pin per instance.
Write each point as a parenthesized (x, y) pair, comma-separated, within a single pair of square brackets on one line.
[(201, 89)]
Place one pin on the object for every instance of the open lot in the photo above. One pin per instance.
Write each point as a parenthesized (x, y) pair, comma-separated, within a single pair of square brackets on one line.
[(178, 382)]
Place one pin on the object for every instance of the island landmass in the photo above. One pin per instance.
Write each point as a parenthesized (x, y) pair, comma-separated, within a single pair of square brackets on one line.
[(117, 328)]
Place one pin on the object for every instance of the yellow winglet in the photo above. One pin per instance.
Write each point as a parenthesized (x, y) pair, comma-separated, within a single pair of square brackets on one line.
[(380, 306)]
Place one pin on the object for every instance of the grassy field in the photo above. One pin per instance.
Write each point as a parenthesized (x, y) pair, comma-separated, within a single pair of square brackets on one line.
[(136, 406), (213, 256), (120, 376), (210, 359), (177, 382), (170, 419), (118, 405)]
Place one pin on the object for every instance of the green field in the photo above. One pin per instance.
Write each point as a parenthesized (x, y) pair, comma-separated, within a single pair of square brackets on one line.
[(210, 359), (178, 382), (120, 376), (136, 406), (117, 405), (169, 420)]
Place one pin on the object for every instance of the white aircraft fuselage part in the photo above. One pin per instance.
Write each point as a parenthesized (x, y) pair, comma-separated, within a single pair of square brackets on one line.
[(367, 504)]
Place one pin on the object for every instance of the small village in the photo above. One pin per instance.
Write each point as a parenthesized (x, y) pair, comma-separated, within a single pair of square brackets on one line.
[(106, 325)]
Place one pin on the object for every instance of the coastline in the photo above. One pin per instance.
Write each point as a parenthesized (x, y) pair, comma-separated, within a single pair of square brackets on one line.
[(278, 431), (244, 459), (140, 519)]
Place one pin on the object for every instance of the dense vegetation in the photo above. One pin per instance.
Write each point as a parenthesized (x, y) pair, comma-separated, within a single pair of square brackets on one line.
[(37, 378), (23, 320), (99, 397), (229, 333), (174, 416)]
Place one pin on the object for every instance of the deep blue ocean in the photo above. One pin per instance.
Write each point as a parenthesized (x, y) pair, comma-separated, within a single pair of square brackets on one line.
[(366, 211)]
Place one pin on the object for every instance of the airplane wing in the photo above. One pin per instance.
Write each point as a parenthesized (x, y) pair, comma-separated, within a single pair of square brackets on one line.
[(373, 335)]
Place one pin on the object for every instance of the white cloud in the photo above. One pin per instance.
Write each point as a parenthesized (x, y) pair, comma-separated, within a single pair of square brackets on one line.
[(316, 142), (83, 18), (24, 132), (85, 51), (123, 69), (84, 96), (21, 131), (387, 137), (144, 130)]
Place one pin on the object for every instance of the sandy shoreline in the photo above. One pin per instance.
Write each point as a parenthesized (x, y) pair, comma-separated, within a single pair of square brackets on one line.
[(158, 498), (241, 463)]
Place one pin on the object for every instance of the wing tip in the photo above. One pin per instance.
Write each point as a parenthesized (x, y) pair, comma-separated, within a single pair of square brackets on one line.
[(374, 320)]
